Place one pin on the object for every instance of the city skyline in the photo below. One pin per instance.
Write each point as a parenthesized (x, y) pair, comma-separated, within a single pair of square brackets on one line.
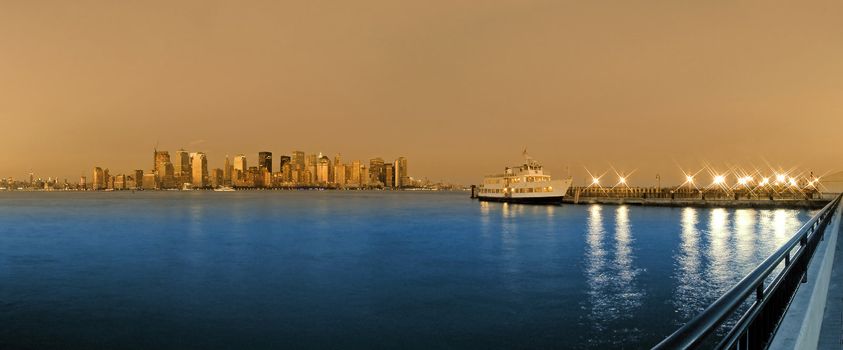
[(181, 173), (184, 169)]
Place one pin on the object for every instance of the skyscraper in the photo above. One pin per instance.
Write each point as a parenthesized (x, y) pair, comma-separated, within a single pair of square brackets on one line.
[(200, 170), (138, 178), (216, 178), (297, 157), (97, 179), (377, 170), (401, 177), (339, 174), (265, 161), (164, 169), (226, 171), (364, 176), (149, 181), (310, 162), (182, 165), (284, 167), (120, 182), (239, 167), (388, 183), (355, 173), (106, 178), (322, 170)]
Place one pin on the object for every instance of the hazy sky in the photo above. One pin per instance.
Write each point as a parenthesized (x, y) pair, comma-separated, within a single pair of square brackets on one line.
[(458, 87)]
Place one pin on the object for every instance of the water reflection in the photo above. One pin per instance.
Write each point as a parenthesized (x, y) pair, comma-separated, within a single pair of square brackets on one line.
[(613, 291), (689, 274), (509, 239), (595, 269), (745, 236), (715, 254), (485, 220), (718, 252), (196, 218), (630, 297)]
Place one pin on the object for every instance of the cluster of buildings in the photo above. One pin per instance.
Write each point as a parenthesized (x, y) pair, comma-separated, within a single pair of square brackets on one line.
[(10, 183), (189, 170)]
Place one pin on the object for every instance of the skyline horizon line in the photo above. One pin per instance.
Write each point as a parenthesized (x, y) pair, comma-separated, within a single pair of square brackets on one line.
[(678, 174)]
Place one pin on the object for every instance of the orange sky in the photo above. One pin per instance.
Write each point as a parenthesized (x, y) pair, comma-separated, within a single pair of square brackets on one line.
[(458, 87)]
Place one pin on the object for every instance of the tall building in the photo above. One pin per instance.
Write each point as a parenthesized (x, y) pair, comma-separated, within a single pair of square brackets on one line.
[(138, 178), (297, 157), (216, 177), (106, 178), (239, 167), (364, 176), (240, 163), (83, 182), (200, 170), (389, 176), (226, 172), (284, 161), (97, 180), (181, 166), (322, 170), (149, 181), (253, 177), (265, 161), (377, 170), (120, 182), (401, 177), (310, 163), (284, 168), (339, 174), (355, 173), (266, 178), (164, 169)]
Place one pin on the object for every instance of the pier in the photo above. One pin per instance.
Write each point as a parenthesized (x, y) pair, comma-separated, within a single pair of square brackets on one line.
[(684, 197)]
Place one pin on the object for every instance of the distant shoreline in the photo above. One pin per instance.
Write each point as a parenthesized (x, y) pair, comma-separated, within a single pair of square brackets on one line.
[(318, 189)]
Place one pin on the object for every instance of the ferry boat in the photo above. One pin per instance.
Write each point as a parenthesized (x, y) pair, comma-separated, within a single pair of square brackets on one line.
[(523, 184)]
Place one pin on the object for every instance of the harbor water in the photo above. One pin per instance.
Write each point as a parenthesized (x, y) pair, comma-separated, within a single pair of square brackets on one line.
[(362, 269)]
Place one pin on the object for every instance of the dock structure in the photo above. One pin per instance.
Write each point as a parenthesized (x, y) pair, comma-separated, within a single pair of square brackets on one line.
[(684, 197)]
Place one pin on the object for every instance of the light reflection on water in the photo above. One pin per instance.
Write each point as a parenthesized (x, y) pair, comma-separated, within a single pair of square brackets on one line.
[(611, 273), (687, 301), (714, 255), (716, 247)]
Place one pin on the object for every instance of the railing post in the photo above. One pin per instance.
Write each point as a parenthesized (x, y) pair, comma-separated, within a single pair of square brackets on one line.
[(759, 292)]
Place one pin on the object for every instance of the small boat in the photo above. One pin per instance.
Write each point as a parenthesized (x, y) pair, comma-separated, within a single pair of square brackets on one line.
[(523, 184), (224, 189)]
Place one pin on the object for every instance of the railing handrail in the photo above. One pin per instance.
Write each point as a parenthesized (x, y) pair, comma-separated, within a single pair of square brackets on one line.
[(697, 329)]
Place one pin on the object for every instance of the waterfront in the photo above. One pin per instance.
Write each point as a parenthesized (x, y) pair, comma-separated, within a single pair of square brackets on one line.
[(361, 269)]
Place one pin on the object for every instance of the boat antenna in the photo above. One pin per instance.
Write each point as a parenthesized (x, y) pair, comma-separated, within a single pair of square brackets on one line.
[(527, 159)]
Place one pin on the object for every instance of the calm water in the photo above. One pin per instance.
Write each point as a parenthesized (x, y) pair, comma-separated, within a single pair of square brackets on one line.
[(361, 270)]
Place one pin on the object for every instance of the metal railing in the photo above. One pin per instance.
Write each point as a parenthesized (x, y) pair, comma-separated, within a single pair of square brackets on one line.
[(757, 325)]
